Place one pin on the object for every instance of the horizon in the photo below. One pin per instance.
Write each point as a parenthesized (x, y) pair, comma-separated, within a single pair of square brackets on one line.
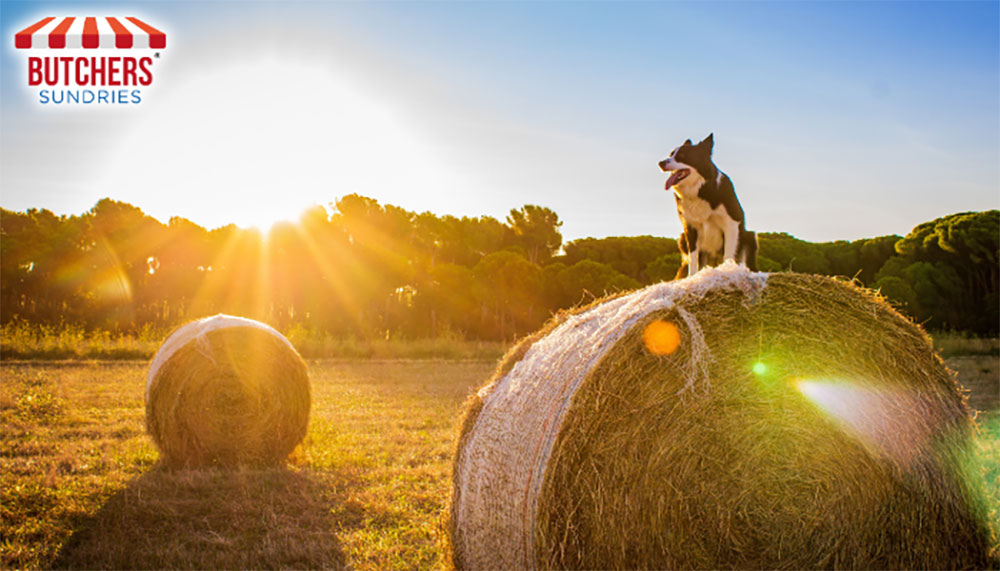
[(330, 208), (887, 114)]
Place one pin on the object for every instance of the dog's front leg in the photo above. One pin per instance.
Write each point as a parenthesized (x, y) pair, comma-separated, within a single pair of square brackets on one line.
[(731, 239), (692, 237), (693, 261)]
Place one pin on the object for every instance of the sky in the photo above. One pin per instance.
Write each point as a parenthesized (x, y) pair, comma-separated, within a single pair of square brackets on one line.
[(835, 120)]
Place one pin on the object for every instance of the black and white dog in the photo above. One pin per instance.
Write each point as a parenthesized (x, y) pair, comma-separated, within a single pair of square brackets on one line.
[(714, 225)]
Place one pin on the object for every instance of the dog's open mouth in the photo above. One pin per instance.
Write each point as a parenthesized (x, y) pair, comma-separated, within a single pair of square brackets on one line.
[(676, 177)]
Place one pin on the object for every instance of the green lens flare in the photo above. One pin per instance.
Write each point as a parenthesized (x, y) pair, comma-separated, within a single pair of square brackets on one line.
[(759, 368)]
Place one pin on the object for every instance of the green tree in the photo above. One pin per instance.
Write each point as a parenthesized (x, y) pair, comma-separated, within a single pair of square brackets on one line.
[(899, 291), (378, 257), (793, 254), (512, 288), (40, 254), (536, 229), (454, 301), (587, 280), (630, 255), (843, 257), (664, 268), (874, 253), (951, 264)]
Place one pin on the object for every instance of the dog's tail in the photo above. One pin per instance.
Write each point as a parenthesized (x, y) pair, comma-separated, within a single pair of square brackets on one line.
[(748, 249)]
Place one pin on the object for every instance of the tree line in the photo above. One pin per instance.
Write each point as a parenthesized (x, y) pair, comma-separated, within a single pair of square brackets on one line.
[(367, 270)]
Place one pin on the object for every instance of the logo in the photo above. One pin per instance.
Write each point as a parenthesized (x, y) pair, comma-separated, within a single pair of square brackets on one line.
[(90, 60)]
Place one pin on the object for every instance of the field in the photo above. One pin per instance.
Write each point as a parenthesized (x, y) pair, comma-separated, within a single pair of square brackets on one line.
[(81, 486)]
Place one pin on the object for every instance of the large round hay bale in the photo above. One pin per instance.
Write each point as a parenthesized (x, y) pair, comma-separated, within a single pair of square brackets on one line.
[(728, 420), (226, 391)]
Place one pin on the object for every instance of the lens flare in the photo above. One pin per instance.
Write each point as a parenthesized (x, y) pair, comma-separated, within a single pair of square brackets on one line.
[(891, 421), (661, 337), (759, 369)]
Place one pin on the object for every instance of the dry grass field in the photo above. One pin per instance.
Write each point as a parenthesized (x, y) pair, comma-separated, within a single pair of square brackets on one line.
[(81, 487)]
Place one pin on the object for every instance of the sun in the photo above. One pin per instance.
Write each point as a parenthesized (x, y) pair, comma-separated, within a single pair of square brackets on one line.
[(257, 142), (266, 216)]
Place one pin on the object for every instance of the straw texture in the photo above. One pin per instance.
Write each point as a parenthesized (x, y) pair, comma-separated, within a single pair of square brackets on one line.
[(800, 423), (229, 391)]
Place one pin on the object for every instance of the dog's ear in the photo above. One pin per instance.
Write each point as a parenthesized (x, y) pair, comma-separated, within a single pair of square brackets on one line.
[(688, 143), (709, 142)]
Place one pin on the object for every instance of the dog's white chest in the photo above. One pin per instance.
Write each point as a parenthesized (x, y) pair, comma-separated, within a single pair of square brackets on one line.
[(711, 223), (695, 210)]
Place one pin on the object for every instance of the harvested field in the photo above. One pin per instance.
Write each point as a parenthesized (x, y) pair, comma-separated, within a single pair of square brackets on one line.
[(366, 489)]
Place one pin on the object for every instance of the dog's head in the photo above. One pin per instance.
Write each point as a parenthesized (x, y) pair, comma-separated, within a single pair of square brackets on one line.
[(689, 163)]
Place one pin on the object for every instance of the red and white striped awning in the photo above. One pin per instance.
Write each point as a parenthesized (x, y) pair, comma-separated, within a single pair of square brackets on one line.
[(90, 33)]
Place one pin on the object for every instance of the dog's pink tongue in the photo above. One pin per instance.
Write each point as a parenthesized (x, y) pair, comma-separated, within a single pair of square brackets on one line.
[(673, 179)]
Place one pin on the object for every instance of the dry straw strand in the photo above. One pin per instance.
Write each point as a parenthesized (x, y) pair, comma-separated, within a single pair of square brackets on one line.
[(802, 424), (227, 391)]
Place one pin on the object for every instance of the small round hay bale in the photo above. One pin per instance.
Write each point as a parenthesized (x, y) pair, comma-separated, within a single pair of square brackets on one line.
[(226, 391), (728, 420)]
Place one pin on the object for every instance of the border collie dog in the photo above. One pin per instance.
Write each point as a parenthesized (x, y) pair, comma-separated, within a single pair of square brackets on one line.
[(714, 225)]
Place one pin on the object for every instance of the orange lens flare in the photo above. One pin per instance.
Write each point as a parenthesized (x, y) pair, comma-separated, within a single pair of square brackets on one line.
[(661, 337)]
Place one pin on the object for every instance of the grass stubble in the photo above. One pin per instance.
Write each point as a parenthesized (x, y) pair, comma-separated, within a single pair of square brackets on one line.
[(82, 487)]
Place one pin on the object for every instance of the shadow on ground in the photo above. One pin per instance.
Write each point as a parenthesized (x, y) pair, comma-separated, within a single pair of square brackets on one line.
[(210, 519)]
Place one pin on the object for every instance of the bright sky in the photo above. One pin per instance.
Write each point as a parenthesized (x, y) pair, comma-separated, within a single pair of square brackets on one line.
[(835, 120)]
